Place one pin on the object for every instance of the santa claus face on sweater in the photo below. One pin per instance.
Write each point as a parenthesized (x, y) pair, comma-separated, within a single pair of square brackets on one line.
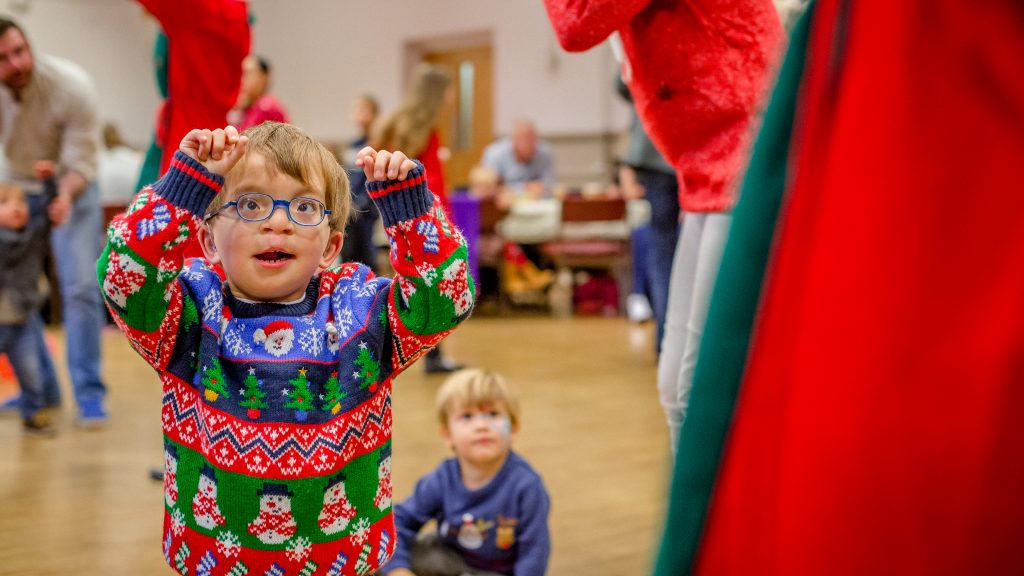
[(271, 260), (277, 337)]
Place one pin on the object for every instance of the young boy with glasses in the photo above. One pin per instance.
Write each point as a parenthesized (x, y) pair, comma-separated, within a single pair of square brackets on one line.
[(276, 370)]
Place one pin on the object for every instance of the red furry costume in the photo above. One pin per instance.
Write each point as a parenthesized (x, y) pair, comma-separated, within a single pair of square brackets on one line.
[(698, 70)]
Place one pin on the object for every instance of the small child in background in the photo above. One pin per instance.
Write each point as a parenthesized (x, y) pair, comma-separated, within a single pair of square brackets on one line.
[(276, 367), (24, 233), (491, 507)]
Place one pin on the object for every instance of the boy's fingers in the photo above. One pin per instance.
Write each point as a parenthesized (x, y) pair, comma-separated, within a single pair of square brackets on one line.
[(217, 146), (405, 168), (365, 156), (395, 165), (363, 160), (381, 165), (203, 145), (237, 151)]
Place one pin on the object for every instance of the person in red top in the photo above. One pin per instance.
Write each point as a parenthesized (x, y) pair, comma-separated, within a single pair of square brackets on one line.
[(255, 105), (207, 41), (697, 71)]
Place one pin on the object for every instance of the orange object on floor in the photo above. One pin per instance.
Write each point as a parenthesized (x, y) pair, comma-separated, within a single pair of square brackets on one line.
[(6, 372)]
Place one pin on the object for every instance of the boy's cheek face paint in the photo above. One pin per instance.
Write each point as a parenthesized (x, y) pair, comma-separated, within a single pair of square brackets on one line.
[(502, 425)]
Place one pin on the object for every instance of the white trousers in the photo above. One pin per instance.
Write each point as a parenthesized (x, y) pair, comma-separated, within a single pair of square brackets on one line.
[(694, 269)]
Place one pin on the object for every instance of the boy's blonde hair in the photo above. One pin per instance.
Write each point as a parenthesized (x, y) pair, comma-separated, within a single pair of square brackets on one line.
[(295, 153), (10, 189), (474, 387)]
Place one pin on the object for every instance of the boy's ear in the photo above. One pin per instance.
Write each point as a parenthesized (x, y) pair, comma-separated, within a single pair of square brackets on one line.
[(447, 437), (334, 242), (209, 247)]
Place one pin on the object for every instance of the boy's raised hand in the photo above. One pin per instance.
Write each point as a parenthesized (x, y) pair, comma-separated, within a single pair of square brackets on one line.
[(383, 165), (217, 150)]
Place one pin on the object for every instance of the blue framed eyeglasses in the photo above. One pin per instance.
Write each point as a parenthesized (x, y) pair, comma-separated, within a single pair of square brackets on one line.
[(257, 207)]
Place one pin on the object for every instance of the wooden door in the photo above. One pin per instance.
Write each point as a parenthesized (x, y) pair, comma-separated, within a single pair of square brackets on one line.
[(466, 127)]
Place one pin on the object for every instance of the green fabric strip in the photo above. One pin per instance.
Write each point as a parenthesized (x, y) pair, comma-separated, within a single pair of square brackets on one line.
[(730, 321)]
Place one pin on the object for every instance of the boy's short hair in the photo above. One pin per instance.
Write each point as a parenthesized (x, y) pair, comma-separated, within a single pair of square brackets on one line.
[(475, 387), (8, 189), (295, 153)]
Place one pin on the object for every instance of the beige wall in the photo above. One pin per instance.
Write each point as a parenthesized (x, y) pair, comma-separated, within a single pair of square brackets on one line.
[(327, 52)]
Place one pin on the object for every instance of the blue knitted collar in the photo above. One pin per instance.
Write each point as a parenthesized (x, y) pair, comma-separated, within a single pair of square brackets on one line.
[(241, 309)]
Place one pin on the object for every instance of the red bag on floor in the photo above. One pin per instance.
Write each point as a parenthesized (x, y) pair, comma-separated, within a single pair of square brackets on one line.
[(597, 295)]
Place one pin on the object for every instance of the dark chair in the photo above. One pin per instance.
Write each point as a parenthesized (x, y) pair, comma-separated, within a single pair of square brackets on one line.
[(594, 235)]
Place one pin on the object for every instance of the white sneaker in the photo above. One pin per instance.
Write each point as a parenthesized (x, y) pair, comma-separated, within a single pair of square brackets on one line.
[(638, 309)]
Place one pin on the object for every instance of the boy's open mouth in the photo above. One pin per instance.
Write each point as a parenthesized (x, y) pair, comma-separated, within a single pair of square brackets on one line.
[(274, 256)]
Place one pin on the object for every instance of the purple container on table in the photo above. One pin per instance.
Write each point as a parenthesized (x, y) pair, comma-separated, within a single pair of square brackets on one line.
[(466, 215)]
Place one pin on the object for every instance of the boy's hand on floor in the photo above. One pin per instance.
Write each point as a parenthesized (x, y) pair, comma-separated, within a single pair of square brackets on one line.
[(401, 572), (383, 165), (217, 150)]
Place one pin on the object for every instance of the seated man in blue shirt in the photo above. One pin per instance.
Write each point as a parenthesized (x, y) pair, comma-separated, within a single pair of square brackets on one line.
[(523, 163)]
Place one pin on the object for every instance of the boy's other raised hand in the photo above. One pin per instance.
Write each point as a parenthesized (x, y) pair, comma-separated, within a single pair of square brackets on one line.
[(383, 165), (217, 150)]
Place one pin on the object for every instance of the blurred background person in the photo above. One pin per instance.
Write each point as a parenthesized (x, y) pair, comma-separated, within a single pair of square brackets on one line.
[(413, 129), (656, 180), (358, 246), (522, 161), (256, 104), (48, 109), (119, 166), (213, 33)]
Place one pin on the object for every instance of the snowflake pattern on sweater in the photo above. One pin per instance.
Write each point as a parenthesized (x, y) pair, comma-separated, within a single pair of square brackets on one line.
[(279, 398)]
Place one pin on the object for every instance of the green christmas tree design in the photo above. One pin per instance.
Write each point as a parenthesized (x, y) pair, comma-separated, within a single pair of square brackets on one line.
[(189, 314), (369, 368), (253, 395), (334, 394), (214, 382), (301, 397)]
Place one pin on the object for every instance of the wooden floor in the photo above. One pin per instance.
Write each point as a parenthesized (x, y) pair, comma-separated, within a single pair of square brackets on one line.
[(82, 503)]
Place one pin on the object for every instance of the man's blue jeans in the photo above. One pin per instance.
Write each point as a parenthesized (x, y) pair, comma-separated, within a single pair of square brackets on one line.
[(76, 246)]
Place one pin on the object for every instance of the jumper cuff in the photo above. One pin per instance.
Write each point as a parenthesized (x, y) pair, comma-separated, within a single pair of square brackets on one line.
[(188, 184), (400, 200)]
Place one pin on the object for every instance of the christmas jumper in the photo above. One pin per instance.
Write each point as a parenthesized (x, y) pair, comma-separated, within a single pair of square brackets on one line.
[(501, 527), (279, 414)]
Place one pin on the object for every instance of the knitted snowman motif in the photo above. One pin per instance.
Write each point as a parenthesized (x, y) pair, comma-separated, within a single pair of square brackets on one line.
[(337, 510), (170, 474), (383, 498), (204, 504), (275, 522)]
